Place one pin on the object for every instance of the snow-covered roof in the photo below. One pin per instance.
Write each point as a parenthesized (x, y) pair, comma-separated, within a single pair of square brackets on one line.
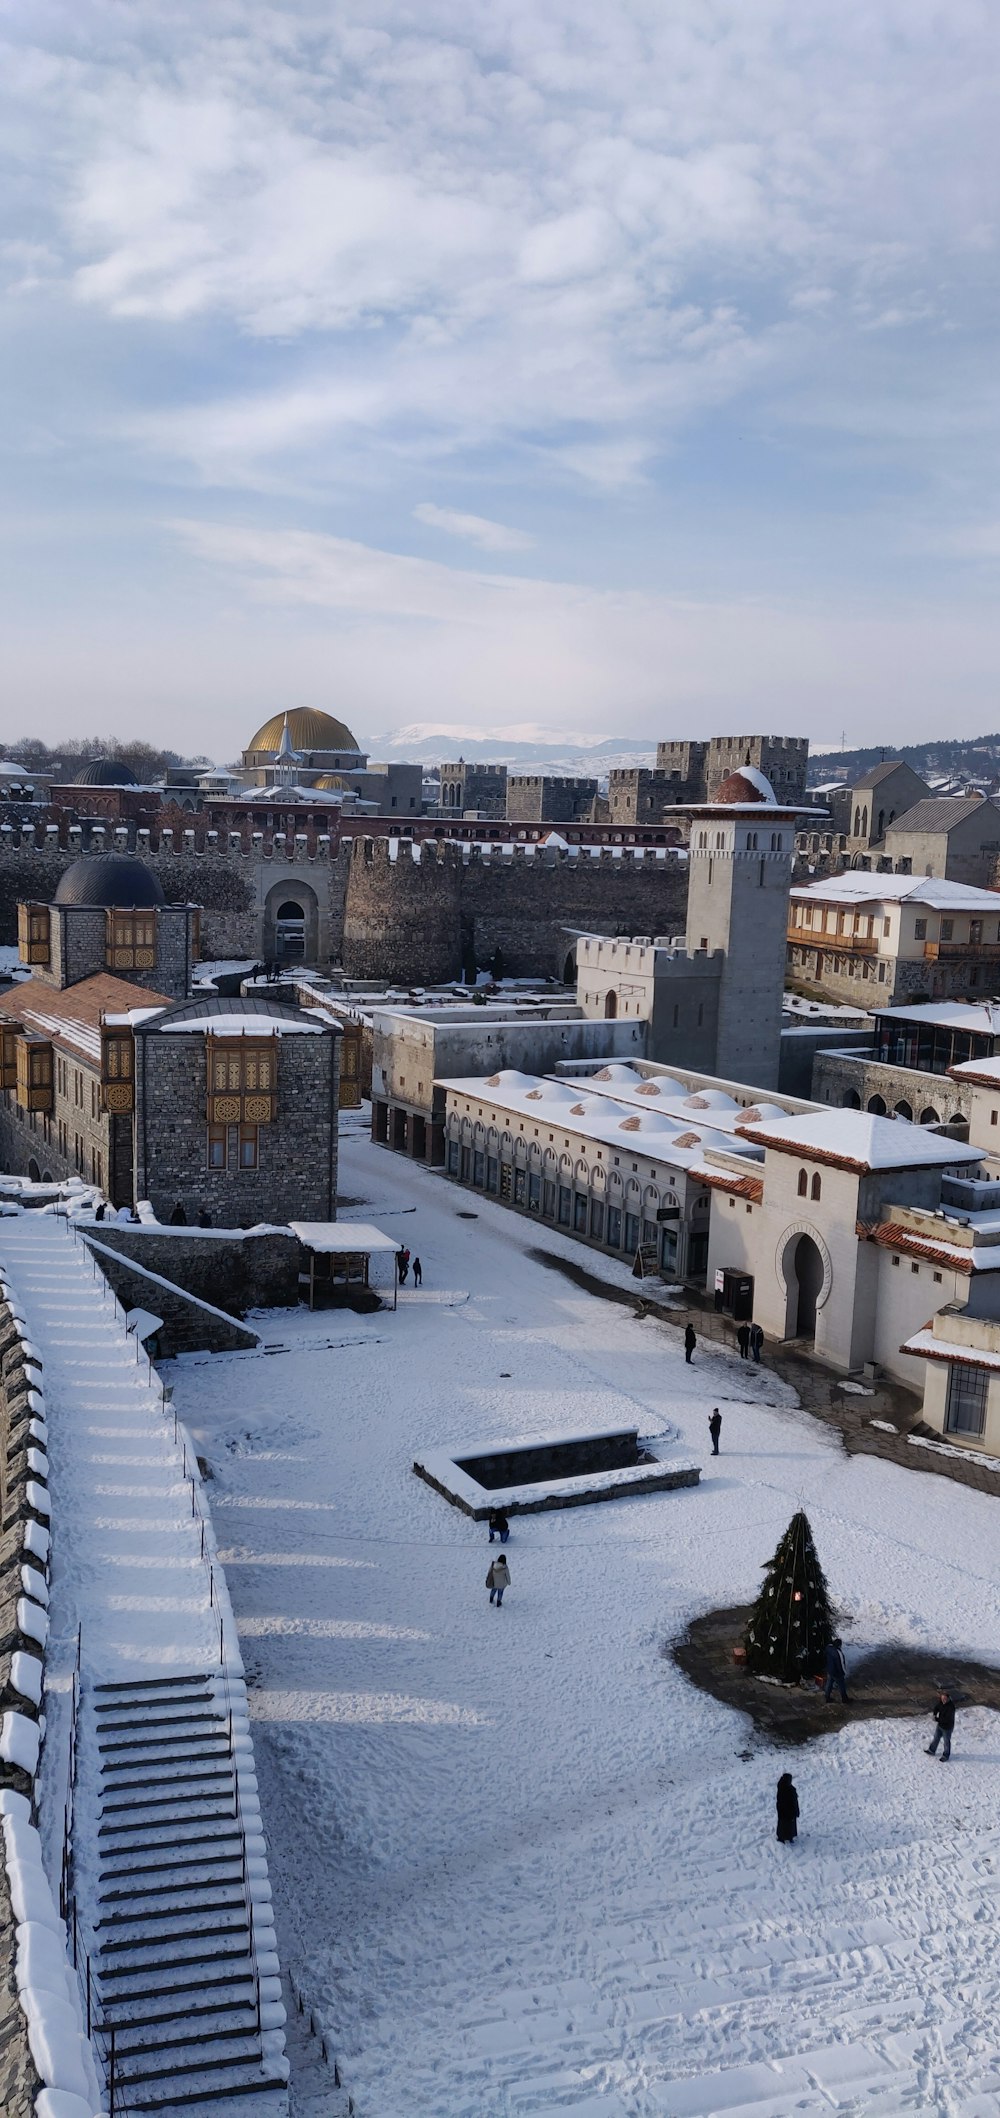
[(927, 1346), (680, 1135), (343, 1238), (984, 1071), (856, 886), (855, 1139), (244, 1026), (678, 1103), (947, 1015)]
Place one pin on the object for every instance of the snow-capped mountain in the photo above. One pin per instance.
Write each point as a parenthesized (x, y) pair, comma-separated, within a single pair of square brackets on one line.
[(522, 745)]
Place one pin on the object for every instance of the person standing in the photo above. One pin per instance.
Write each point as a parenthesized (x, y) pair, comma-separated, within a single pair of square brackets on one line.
[(715, 1429), (836, 1671), (756, 1341), (498, 1579), (402, 1264), (944, 1715), (788, 1810), (690, 1341), (418, 1272), (743, 1341)]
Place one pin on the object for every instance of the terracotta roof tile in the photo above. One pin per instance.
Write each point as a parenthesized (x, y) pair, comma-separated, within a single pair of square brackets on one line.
[(71, 1017)]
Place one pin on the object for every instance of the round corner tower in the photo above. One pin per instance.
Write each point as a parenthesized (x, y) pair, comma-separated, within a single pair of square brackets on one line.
[(402, 915)]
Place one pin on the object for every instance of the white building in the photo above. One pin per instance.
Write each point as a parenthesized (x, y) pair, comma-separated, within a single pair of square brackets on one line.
[(618, 1156), (854, 1229)]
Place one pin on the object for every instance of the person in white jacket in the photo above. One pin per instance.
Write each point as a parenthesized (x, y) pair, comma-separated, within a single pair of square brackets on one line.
[(498, 1579)]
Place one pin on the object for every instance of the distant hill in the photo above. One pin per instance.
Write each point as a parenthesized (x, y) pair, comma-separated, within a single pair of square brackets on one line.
[(975, 757), (526, 748)]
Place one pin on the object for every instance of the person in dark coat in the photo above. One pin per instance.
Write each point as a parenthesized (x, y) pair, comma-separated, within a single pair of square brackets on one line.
[(418, 1272), (99, 1212), (499, 1525), (690, 1341), (788, 1809), (178, 1218), (944, 1715), (204, 1218), (836, 1671), (715, 1429), (756, 1341), (743, 1341), (402, 1265)]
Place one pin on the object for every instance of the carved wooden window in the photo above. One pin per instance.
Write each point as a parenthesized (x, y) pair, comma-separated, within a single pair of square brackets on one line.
[(242, 1080), (33, 933), (131, 941), (8, 1056), (34, 1074), (117, 1070)]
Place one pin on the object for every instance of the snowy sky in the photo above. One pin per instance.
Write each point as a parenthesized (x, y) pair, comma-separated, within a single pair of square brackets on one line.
[(596, 368)]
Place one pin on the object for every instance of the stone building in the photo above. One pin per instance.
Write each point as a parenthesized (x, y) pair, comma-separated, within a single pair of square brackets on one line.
[(877, 798), (476, 790), (683, 765), (955, 837), (638, 796), (932, 1063), (715, 1000), (536, 798), (86, 1092), (783, 760), (959, 1351), (868, 939)]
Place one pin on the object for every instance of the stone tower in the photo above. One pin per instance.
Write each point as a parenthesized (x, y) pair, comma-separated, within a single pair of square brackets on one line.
[(742, 849), (402, 915)]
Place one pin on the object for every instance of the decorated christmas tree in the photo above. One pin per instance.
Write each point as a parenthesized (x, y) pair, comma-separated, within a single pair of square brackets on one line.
[(791, 1624)]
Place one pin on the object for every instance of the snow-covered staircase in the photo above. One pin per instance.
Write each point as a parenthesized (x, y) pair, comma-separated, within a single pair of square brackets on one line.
[(166, 1888), (184, 1957)]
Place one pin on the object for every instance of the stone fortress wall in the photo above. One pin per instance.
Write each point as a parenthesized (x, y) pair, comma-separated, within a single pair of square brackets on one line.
[(414, 918)]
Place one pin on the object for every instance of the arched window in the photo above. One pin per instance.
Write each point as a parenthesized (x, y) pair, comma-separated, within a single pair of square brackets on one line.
[(817, 1187), (903, 1110), (857, 820), (876, 1106), (610, 1006), (803, 1183), (864, 821), (929, 1116)]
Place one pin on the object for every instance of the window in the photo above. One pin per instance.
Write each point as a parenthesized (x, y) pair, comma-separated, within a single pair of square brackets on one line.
[(479, 1168), (534, 1193), (631, 1232), (565, 1205), (453, 1158), (130, 941), (885, 926), (915, 1268), (520, 1185), (947, 929), (33, 939), (816, 1188), (803, 1183), (597, 1220), (242, 1080), (233, 1147), (920, 929), (8, 1057), (549, 1199), (967, 1394), (492, 1173), (614, 1227), (35, 1074), (975, 931)]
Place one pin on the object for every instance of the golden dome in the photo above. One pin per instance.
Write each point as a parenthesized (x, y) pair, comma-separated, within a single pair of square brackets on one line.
[(307, 729), (328, 782)]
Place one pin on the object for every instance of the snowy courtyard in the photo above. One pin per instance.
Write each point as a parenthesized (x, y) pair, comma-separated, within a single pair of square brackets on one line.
[(520, 1865)]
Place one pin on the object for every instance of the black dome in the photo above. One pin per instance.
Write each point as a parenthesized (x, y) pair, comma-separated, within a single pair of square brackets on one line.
[(109, 879), (105, 772)]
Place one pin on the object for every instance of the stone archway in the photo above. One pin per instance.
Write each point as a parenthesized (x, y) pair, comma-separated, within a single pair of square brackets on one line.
[(610, 1005), (290, 922), (805, 1280)]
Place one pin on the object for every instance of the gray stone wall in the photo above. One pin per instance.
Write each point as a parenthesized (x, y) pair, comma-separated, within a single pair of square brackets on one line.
[(642, 797), (403, 918), (31, 1136), (524, 906), (534, 798), (235, 1273), (837, 1078), (189, 1325), (296, 1176)]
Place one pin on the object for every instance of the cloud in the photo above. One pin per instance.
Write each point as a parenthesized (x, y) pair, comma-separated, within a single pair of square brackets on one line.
[(490, 536)]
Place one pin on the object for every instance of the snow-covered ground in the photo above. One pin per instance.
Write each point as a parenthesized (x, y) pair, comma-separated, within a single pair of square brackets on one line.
[(520, 1865)]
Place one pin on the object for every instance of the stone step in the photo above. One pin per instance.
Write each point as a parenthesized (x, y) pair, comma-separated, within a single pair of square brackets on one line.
[(238, 1960), (227, 1920), (222, 1807), (228, 1896), (175, 1889), (216, 2027), (239, 2085), (124, 2004), (136, 1865), (143, 1685), (211, 1747)]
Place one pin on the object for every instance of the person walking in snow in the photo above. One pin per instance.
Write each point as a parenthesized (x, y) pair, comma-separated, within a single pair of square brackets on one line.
[(743, 1341), (418, 1272), (498, 1579), (402, 1265), (836, 1671), (756, 1341), (944, 1715), (690, 1341), (499, 1525), (715, 1429), (788, 1810)]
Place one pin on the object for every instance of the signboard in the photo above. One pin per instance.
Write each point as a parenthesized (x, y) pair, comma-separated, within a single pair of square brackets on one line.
[(720, 1281), (647, 1262)]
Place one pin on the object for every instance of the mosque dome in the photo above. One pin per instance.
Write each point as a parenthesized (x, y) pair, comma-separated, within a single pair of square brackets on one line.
[(307, 729), (746, 785), (105, 772), (109, 879), (328, 782)]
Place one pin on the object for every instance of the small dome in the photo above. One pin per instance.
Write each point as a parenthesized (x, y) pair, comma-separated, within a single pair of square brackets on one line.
[(109, 879), (307, 729), (329, 782), (746, 785), (105, 772)]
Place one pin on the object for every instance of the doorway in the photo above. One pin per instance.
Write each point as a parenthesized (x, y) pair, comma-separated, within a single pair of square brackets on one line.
[(807, 1278), (290, 932)]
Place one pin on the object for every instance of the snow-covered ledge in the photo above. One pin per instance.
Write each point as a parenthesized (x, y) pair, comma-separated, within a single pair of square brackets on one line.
[(47, 2065)]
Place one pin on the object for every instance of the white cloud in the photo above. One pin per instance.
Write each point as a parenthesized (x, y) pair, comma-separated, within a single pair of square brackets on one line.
[(477, 529)]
